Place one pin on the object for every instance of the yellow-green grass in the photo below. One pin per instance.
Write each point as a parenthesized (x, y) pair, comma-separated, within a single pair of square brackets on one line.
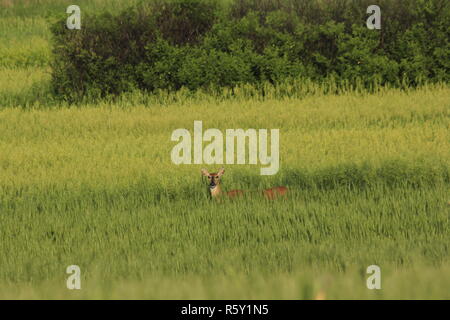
[(24, 87), (25, 41), (94, 186), (414, 283), (44, 8), (162, 250), (99, 145), (32, 52), (25, 37)]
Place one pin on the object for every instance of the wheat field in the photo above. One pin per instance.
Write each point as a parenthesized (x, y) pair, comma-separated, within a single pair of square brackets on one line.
[(93, 185)]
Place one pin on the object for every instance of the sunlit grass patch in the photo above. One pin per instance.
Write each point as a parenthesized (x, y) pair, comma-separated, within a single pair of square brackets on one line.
[(22, 87)]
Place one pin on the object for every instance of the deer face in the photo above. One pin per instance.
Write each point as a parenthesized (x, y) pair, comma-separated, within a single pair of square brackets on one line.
[(213, 178)]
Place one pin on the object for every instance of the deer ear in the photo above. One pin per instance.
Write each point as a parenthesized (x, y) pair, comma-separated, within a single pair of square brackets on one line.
[(221, 172), (205, 172)]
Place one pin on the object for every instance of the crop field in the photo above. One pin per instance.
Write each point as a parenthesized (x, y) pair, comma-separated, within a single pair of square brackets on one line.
[(94, 185)]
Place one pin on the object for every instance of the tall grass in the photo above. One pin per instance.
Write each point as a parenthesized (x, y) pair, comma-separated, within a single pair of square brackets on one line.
[(120, 144), (337, 234), (93, 185), (45, 8), (306, 284)]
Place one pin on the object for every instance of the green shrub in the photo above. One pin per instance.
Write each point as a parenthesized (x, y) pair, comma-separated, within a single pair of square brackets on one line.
[(198, 44), (184, 21)]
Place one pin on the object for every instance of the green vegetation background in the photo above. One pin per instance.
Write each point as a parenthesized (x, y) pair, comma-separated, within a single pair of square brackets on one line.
[(207, 44), (93, 184)]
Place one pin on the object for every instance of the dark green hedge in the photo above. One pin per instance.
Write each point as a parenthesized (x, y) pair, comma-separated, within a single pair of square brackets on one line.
[(207, 44)]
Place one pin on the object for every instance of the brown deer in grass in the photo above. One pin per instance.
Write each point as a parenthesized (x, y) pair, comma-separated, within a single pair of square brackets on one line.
[(216, 192)]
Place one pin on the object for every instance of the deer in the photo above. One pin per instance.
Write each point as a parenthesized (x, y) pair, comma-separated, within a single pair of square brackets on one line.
[(215, 189)]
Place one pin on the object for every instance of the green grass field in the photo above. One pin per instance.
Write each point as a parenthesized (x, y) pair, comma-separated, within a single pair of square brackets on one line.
[(93, 185)]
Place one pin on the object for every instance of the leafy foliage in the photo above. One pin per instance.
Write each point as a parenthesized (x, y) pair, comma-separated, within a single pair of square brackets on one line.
[(202, 44)]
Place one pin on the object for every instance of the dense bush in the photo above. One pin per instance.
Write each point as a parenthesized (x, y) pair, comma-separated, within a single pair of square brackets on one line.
[(204, 44)]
